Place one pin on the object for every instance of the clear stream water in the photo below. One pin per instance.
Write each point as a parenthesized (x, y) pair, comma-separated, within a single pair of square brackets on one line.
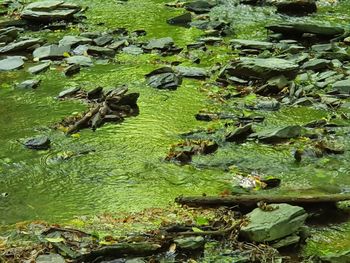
[(125, 170)]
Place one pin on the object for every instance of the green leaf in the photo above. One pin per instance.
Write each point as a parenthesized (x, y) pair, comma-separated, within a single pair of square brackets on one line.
[(202, 221), (55, 239), (196, 229)]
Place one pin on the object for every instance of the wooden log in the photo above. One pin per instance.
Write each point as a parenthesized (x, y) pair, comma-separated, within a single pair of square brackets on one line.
[(83, 122), (249, 200)]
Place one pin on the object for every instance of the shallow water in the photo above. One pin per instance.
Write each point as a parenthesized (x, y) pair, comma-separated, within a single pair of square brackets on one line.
[(125, 169)]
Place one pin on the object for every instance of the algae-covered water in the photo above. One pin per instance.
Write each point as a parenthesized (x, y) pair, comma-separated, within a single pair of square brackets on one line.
[(124, 169)]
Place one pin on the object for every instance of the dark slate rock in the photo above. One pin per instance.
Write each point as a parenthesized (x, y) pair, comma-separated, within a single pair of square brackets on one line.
[(241, 133), (118, 44), (83, 61), (48, 11), (290, 29), (316, 64), (50, 52), (191, 72), (68, 92), (100, 51), (278, 134), (199, 6), (190, 243), (160, 43), (342, 85), (181, 20), (11, 63), (263, 68), (91, 35), (164, 81), (73, 41), (29, 84), (39, 68), (242, 43), (72, 70), (38, 143), (133, 50), (103, 40), (296, 7), (9, 34), (19, 46)]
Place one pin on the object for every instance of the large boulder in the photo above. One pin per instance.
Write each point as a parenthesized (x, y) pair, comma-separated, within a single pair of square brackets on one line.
[(262, 68), (296, 7), (281, 221), (48, 11)]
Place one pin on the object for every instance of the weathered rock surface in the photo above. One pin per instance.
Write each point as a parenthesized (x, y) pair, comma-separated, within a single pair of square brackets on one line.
[(50, 52), (239, 134), (191, 72), (342, 85), (19, 46), (11, 63), (133, 50), (160, 43), (278, 134), (73, 41), (39, 68), (71, 70), (298, 29), (243, 43), (199, 6), (29, 84), (47, 11), (181, 20), (163, 78), (283, 221), (38, 143), (190, 243), (262, 68)]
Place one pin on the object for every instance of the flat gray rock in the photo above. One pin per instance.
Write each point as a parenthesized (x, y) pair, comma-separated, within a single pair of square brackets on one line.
[(100, 51), (263, 68), (278, 134), (252, 44), (29, 84), (74, 41), (80, 60), (283, 221), (191, 72), (316, 64), (133, 50), (38, 143), (39, 68), (11, 63), (19, 46), (50, 52), (47, 11), (342, 85), (160, 43)]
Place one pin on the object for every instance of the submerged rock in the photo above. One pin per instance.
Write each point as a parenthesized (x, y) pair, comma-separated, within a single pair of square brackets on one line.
[(11, 63), (38, 143), (48, 11), (279, 134), (283, 220)]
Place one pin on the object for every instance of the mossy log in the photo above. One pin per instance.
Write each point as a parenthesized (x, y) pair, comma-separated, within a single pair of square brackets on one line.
[(251, 200)]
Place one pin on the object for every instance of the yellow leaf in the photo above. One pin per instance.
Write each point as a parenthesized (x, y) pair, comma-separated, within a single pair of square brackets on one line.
[(55, 239), (76, 135), (66, 54)]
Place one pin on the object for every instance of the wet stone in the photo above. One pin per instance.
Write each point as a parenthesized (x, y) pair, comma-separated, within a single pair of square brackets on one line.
[(241, 133), (83, 61), (282, 221), (39, 68), (103, 40), (73, 41), (19, 46), (11, 63), (50, 52), (316, 64), (181, 20), (278, 134), (29, 84), (191, 72), (160, 43), (164, 81), (133, 50), (72, 70), (38, 143)]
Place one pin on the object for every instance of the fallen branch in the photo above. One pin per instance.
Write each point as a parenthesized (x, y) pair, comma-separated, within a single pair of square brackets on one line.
[(83, 122), (249, 200)]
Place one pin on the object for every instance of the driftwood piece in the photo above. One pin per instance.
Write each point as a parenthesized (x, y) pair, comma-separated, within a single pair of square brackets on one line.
[(83, 122), (249, 200)]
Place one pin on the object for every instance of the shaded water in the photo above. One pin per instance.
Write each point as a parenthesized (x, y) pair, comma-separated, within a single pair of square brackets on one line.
[(124, 170)]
